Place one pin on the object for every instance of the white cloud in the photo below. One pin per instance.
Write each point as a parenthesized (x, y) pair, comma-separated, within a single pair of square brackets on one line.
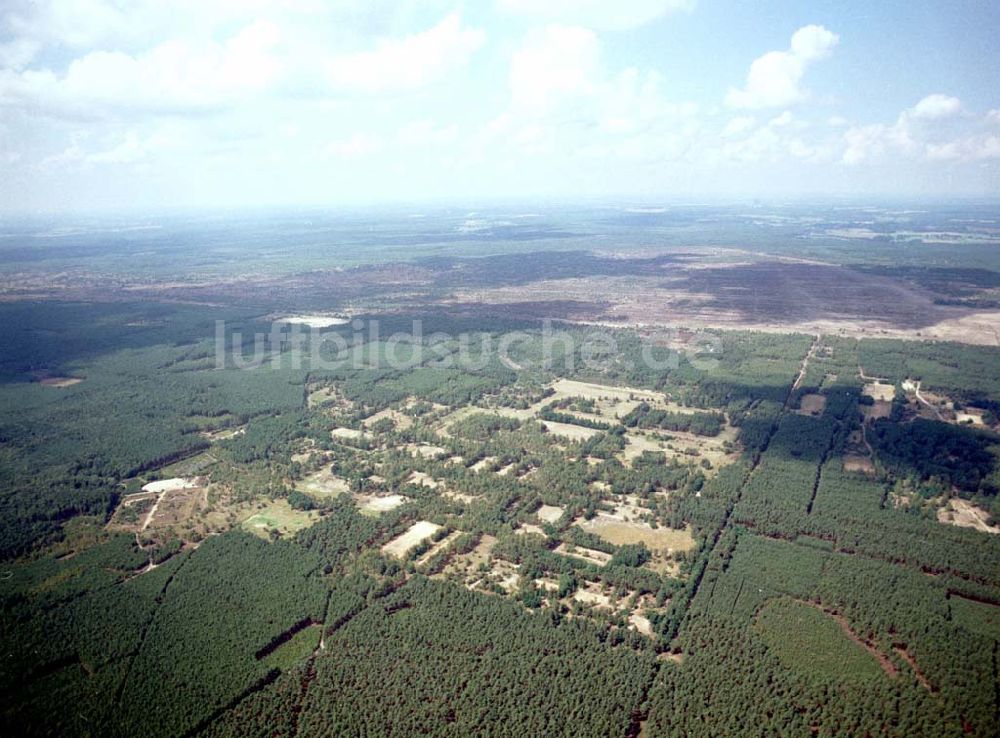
[(129, 150), (554, 62), (936, 107), (931, 129), (775, 78), (354, 147), (993, 117), (602, 15), (174, 75), (738, 125), (408, 63)]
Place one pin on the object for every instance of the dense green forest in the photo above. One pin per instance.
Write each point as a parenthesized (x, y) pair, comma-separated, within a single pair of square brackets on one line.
[(701, 556)]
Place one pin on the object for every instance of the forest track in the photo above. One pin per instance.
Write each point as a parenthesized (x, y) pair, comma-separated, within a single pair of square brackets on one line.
[(804, 366), (937, 413)]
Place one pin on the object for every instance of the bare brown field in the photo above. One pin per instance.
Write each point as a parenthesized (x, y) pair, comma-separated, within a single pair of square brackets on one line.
[(881, 409), (880, 391), (812, 405), (856, 463)]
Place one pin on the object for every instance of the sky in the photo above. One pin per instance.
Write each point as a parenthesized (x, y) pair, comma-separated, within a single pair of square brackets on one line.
[(243, 103)]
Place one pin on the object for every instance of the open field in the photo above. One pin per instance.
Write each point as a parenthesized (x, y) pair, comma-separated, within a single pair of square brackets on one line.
[(812, 405), (323, 485), (169, 485), (549, 513), (572, 432), (880, 391), (376, 505), (659, 540), (279, 516), (418, 532)]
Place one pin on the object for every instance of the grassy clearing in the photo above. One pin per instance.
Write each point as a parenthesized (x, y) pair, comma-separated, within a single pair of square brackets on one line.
[(279, 516), (323, 485), (657, 540), (296, 650), (809, 641)]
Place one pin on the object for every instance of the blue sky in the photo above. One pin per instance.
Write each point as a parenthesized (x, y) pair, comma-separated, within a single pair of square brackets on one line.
[(147, 104)]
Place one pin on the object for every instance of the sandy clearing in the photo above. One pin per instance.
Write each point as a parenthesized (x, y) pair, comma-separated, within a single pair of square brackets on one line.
[(880, 391), (525, 528), (169, 485), (636, 444), (323, 484), (60, 382), (964, 514), (584, 554), (549, 513), (425, 450), (483, 463), (438, 547), (591, 391), (422, 479), (572, 432), (403, 544), (400, 420), (640, 624), (881, 409), (970, 416), (461, 497), (314, 320), (382, 504), (812, 405), (591, 594), (349, 433)]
